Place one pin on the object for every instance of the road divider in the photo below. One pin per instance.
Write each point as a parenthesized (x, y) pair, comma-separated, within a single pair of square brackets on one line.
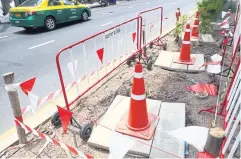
[(2, 37), (106, 24), (36, 46)]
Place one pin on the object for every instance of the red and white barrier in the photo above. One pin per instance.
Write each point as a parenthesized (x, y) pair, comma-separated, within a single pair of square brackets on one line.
[(151, 26), (102, 54), (233, 117), (53, 141), (236, 35), (232, 103), (237, 15)]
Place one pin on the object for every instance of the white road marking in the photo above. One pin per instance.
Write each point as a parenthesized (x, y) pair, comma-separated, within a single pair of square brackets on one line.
[(33, 47), (130, 7), (103, 13), (106, 24), (2, 37)]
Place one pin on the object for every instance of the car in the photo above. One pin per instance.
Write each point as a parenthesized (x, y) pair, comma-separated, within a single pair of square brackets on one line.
[(47, 13)]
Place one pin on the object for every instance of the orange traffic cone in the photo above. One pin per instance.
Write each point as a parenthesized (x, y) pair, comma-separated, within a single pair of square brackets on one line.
[(137, 122), (195, 31), (185, 57)]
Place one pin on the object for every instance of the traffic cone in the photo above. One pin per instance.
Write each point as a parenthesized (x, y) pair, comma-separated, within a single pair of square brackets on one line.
[(185, 57), (137, 122), (195, 31)]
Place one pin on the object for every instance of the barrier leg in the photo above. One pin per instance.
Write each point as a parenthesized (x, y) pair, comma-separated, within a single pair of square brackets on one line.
[(212, 110)]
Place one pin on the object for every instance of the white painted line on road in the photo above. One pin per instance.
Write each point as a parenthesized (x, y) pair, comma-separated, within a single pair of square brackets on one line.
[(106, 24), (130, 7), (2, 37), (33, 47), (103, 13)]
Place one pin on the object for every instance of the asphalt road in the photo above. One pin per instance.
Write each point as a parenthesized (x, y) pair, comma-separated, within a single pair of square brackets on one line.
[(33, 54)]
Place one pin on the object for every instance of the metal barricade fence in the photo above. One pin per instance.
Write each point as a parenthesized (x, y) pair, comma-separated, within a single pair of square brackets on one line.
[(90, 60), (232, 118), (151, 26), (237, 14), (236, 34)]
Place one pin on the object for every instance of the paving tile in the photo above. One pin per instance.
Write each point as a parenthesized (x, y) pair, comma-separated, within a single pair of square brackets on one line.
[(198, 62), (172, 116), (164, 59), (177, 66), (100, 136)]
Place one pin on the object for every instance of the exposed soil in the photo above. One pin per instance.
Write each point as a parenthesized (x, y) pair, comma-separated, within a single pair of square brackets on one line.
[(164, 85)]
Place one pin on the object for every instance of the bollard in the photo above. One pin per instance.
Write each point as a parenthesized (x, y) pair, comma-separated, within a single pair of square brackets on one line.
[(15, 104)]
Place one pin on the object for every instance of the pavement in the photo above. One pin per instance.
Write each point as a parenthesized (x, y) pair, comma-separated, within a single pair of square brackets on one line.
[(33, 54)]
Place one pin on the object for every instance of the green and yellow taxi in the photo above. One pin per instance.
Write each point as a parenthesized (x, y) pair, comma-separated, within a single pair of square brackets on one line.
[(47, 13)]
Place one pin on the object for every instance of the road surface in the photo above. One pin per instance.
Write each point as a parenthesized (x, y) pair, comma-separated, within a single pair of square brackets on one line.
[(33, 54)]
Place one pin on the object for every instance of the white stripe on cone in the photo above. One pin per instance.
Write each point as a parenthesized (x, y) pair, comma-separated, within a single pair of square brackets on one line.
[(188, 30), (138, 75), (186, 42), (138, 97)]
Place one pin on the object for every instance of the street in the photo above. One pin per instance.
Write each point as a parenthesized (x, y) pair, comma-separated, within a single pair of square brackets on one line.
[(32, 54)]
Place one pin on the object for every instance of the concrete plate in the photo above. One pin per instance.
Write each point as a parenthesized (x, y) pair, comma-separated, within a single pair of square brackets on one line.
[(172, 116), (101, 134), (166, 60)]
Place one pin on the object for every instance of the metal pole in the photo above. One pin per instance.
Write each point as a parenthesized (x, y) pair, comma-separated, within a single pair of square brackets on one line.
[(15, 104)]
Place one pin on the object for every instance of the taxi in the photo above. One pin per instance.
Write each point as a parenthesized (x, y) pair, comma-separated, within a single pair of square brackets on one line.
[(47, 13)]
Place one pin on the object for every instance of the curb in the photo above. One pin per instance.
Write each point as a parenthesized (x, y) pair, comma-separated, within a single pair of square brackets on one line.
[(10, 136), (4, 22)]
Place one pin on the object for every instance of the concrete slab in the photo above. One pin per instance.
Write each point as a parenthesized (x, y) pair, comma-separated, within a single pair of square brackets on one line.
[(172, 116), (100, 136), (216, 26), (177, 66), (207, 38), (199, 62), (164, 59)]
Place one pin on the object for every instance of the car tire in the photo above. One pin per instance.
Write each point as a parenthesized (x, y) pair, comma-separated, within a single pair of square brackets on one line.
[(49, 23), (84, 16)]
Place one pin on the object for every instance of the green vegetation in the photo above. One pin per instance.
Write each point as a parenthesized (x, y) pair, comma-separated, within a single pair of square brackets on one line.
[(179, 28), (209, 9)]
